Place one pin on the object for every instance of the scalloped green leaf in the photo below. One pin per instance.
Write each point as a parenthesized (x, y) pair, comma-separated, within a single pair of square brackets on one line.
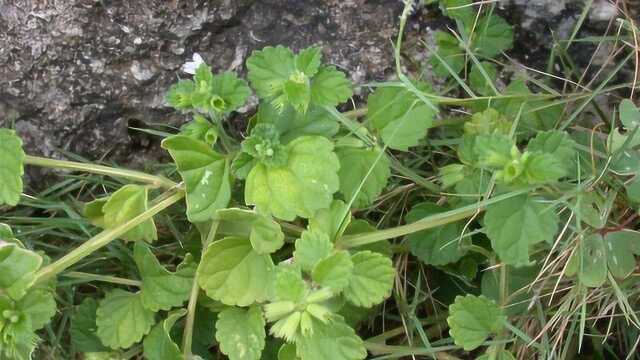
[(372, 279), (401, 118), (515, 224), (334, 340), (439, 246), (330, 87), (11, 167), (18, 267), (472, 319), (123, 205), (205, 174), (310, 248), (303, 186), (363, 174), (333, 271), (162, 289), (158, 345), (265, 234), (241, 333), (233, 273), (122, 319)]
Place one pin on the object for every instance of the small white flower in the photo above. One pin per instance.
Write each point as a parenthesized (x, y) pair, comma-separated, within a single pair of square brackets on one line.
[(190, 66)]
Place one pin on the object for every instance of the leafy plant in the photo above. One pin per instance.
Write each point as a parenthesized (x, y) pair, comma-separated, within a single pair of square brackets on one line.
[(491, 207)]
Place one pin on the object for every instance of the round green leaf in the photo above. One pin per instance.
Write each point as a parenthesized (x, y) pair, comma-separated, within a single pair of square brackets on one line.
[(363, 174), (158, 345), (372, 279), (516, 223), (472, 319), (233, 273), (122, 320), (303, 186)]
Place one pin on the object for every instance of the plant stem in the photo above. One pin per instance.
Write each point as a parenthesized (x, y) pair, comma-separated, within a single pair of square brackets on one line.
[(187, 336), (103, 278), (157, 181), (428, 222), (103, 238)]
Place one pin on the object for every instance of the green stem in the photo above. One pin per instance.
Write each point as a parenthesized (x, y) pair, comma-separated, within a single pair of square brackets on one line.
[(103, 238), (187, 335), (157, 181), (428, 222), (104, 278)]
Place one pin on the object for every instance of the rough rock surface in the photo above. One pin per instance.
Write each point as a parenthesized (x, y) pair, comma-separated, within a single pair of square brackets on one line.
[(76, 76)]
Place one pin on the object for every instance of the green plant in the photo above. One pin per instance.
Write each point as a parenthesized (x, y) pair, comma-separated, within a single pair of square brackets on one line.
[(287, 241)]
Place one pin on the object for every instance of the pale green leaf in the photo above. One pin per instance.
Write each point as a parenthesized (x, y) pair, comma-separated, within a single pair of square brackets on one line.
[(517, 223), (233, 273), (123, 205), (472, 319), (629, 114), (158, 345), (11, 167), (269, 68), (372, 279), (205, 174), (303, 186), (288, 284), (493, 35), (265, 234), (311, 247), (83, 327), (240, 333), (554, 142), (363, 174), (308, 60), (18, 267), (592, 268), (333, 271), (228, 92), (334, 340), (487, 122), (122, 320), (400, 117), (620, 248), (493, 150), (439, 246), (542, 168), (330, 87), (162, 289)]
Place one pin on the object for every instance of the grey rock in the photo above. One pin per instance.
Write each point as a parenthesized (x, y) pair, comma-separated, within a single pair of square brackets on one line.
[(76, 75)]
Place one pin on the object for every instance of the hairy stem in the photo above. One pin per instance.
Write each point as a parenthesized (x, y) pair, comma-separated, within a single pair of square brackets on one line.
[(193, 298), (157, 181), (104, 238)]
